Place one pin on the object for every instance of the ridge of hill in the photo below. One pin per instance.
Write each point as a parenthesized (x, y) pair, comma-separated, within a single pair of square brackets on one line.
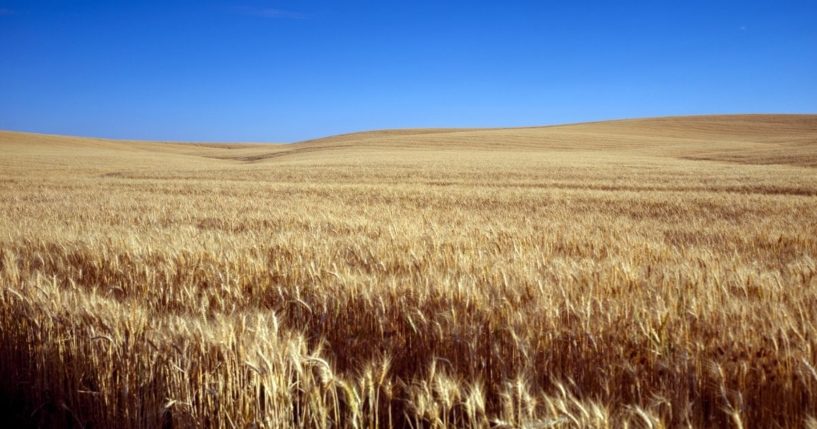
[(752, 139)]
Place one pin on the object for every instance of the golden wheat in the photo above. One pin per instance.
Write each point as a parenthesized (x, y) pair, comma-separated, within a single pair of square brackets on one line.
[(637, 274)]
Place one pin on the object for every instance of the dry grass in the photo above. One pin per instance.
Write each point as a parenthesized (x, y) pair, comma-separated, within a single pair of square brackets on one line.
[(651, 273)]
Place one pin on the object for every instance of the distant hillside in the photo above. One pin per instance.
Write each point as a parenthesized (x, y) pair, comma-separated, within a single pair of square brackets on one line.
[(753, 139)]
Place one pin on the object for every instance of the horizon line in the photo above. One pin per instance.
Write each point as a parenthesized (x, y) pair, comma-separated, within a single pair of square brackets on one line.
[(375, 130)]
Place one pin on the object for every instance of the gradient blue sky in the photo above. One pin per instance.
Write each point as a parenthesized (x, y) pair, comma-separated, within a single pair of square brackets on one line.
[(290, 70)]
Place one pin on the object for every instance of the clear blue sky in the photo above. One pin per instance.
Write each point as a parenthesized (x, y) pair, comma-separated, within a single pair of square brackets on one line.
[(290, 70)]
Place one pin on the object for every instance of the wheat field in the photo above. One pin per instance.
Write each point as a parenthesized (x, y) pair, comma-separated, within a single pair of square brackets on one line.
[(644, 273)]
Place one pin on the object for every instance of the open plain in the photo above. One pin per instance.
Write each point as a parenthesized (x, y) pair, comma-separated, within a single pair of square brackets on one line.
[(641, 273)]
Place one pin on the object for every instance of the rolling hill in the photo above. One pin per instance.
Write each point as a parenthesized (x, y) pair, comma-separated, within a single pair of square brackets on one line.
[(751, 139)]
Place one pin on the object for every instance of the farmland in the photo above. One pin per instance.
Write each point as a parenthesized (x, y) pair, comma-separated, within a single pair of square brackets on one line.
[(642, 273)]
